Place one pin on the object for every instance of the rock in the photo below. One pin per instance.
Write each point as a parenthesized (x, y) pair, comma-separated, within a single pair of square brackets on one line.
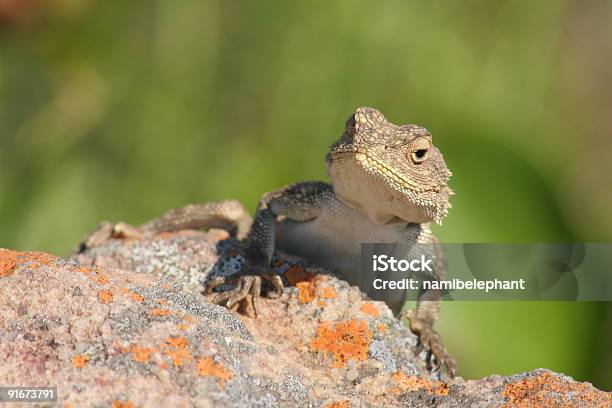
[(125, 327)]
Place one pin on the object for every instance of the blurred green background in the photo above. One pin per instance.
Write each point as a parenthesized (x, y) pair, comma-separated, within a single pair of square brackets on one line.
[(122, 109)]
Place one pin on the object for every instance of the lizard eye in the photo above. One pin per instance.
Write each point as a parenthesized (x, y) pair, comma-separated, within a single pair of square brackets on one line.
[(418, 156), (419, 150)]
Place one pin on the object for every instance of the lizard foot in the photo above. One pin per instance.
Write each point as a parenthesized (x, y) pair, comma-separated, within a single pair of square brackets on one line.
[(247, 291), (437, 356)]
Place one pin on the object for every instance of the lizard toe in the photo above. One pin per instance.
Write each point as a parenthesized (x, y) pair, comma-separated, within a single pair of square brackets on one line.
[(276, 280), (437, 357), (246, 294)]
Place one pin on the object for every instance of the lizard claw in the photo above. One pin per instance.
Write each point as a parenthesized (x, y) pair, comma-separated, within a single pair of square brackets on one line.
[(247, 292), (276, 280), (437, 356)]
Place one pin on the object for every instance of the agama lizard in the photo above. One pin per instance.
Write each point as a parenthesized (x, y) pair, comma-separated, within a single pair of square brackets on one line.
[(388, 183)]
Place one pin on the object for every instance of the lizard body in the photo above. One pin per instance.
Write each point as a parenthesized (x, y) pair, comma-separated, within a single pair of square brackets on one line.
[(333, 238), (388, 182)]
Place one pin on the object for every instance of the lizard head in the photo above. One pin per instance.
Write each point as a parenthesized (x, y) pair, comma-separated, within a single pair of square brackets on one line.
[(391, 172)]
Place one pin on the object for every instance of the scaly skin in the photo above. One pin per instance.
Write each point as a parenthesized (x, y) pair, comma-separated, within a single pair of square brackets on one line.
[(388, 183)]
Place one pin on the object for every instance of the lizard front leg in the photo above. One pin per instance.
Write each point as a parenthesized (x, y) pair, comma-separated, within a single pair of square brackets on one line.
[(423, 318), (421, 322), (297, 202), (257, 266)]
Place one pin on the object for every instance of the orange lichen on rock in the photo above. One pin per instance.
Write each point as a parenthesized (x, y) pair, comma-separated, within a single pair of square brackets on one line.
[(338, 404), (188, 319), (136, 297), (328, 292), (345, 340), (208, 367), (549, 390), (122, 404), (105, 296), (409, 383), (37, 259), (307, 288), (100, 279), (8, 261), (178, 342), (309, 285), (382, 328), (80, 360), (82, 269), (307, 291), (141, 354), (369, 309), (160, 312), (176, 349)]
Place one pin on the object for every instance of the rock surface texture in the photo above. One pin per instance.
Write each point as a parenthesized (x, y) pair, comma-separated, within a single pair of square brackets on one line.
[(123, 325)]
